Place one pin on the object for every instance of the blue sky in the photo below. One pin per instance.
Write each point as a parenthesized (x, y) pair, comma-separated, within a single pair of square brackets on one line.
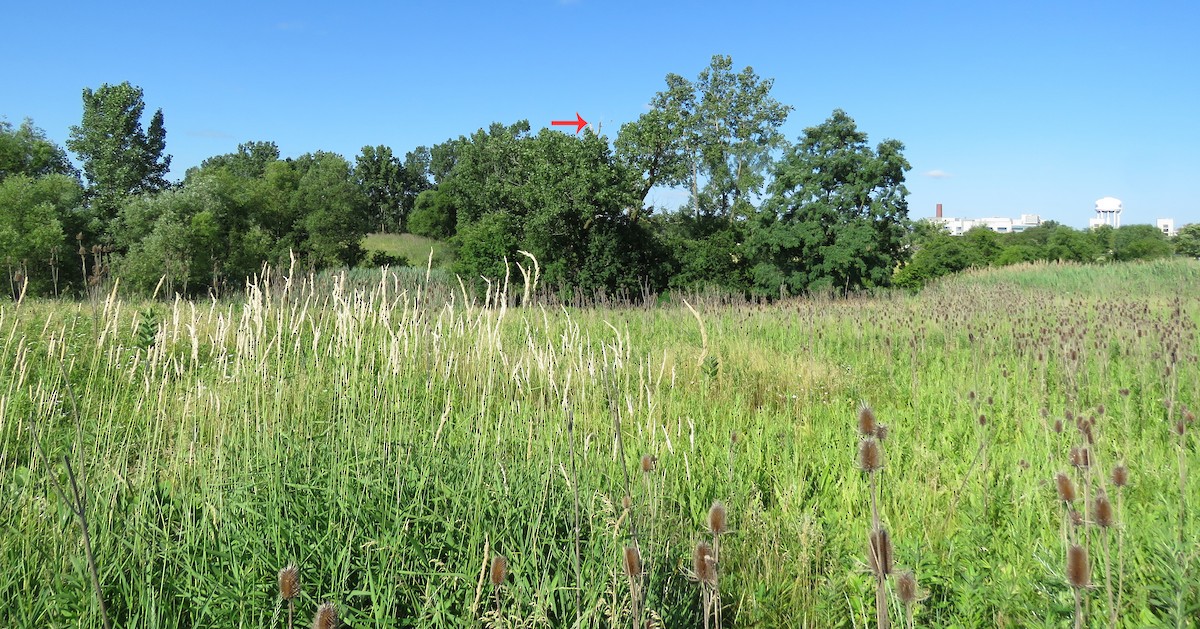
[(1005, 107)]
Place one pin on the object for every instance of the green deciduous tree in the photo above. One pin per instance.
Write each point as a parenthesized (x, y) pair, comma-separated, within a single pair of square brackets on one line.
[(381, 178), (837, 215), (120, 157), (25, 150), (1187, 240), (31, 225)]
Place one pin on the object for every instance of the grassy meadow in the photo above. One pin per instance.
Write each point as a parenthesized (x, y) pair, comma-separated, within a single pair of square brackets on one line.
[(415, 249), (390, 438)]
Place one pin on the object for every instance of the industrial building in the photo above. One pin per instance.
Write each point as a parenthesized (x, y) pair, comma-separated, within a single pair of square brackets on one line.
[(998, 224)]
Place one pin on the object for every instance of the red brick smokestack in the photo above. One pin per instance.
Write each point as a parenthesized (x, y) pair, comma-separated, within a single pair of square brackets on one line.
[(939, 210)]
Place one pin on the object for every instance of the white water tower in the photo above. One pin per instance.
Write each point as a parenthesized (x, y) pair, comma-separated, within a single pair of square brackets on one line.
[(1108, 212)]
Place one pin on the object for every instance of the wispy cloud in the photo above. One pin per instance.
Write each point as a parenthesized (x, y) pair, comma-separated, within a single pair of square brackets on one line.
[(937, 174), (211, 134)]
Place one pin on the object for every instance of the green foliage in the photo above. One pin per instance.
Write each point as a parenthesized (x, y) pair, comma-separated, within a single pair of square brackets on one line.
[(391, 188), (837, 217), (26, 151), (1187, 241), (434, 216), (32, 236), (120, 158), (1139, 242), (561, 198)]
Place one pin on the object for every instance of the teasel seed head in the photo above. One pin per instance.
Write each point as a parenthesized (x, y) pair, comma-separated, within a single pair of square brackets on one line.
[(289, 582), (866, 420), (982, 419), (326, 617), (881, 432), (1076, 518), (1058, 426), (1120, 476), (633, 561), (649, 463), (718, 518), (499, 570), (879, 555), (1078, 572), (1066, 489), (704, 564), (1180, 428), (626, 502), (1102, 511), (870, 455), (906, 587)]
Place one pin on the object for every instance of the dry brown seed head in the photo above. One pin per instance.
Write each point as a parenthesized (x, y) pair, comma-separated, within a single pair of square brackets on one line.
[(1180, 428), (866, 421), (649, 463), (499, 570), (326, 617), (704, 564), (1123, 392), (1023, 464), (982, 419), (289, 582), (718, 518), (1102, 511), (633, 562), (906, 587), (626, 502), (1058, 427), (1100, 410), (1066, 489), (1076, 518), (1120, 476), (879, 555), (1078, 572), (881, 432), (870, 455)]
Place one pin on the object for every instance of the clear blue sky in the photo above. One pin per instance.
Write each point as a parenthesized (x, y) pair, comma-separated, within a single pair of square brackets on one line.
[(1005, 107)]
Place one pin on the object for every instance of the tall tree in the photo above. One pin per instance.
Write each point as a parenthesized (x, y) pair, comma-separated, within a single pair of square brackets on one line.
[(120, 157), (837, 215), (381, 178), (715, 133)]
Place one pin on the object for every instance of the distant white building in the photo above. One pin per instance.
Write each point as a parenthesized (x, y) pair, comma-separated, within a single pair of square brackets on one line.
[(1166, 226), (1000, 225)]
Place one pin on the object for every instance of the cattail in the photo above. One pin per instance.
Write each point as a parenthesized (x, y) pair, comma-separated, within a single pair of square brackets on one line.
[(870, 455), (633, 561), (1078, 572), (289, 582), (1066, 490), (906, 587), (866, 421), (326, 617), (499, 570), (649, 463), (704, 564), (1120, 476), (1102, 511), (880, 555), (717, 518)]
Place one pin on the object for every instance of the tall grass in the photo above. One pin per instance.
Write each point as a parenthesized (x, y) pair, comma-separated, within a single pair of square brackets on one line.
[(390, 437)]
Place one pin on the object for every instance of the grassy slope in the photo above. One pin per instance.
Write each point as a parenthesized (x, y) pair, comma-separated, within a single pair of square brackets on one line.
[(414, 248), (383, 447)]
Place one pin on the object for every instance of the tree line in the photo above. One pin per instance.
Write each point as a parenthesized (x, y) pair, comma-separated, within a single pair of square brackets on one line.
[(764, 216)]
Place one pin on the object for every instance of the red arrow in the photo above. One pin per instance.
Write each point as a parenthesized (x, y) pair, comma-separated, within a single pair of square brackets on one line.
[(579, 123)]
